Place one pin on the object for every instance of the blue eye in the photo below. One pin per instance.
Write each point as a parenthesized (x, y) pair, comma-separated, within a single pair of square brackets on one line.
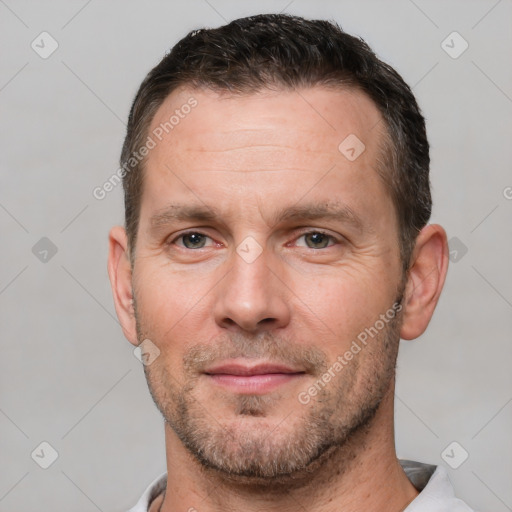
[(193, 240), (317, 239), (312, 240)]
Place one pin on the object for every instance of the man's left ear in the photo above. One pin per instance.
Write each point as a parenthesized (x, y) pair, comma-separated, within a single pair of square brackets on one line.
[(427, 273)]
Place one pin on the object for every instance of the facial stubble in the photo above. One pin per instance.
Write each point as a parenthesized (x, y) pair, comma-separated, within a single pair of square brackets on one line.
[(294, 445), (252, 448)]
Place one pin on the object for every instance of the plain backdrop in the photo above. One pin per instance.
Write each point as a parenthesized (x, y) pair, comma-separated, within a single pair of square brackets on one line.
[(67, 375)]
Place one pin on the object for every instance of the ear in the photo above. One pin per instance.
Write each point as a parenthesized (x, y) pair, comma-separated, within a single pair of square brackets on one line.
[(427, 273), (120, 274)]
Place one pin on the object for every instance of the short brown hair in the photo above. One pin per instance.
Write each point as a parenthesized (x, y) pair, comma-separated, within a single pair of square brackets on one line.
[(288, 52)]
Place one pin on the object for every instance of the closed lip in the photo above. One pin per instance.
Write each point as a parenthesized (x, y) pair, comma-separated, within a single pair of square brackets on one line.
[(249, 370)]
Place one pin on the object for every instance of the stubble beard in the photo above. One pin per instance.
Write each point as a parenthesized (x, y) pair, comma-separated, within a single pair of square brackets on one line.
[(267, 453)]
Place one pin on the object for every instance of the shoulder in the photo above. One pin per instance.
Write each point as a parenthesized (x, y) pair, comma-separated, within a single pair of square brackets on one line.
[(152, 494), (436, 490)]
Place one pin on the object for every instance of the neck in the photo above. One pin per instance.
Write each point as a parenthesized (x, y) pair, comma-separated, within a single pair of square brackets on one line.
[(364, 474)]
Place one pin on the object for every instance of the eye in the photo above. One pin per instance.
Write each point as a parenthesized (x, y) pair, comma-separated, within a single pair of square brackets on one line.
[(192, 240), (317, 239)]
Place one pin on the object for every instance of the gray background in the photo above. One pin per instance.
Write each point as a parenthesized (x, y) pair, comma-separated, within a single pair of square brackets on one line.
[(68, 376)]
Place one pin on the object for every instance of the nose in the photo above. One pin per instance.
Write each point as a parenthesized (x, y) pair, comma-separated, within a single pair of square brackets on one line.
[(251, 297)]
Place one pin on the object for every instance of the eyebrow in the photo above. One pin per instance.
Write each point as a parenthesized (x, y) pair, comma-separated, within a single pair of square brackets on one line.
[(182, 212), (319, 211), (306, 212)]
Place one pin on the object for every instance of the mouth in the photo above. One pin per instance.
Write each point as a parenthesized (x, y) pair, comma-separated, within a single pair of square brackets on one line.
[(254, 379)]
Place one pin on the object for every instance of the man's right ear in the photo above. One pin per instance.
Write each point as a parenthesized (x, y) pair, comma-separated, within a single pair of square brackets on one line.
[(120, 274)]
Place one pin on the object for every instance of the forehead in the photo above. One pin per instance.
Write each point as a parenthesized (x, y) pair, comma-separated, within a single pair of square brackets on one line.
[(313, 120), (263, 149)]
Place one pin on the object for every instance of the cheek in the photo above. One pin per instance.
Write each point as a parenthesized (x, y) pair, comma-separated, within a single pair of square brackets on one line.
[(168, 302), (340, 305)]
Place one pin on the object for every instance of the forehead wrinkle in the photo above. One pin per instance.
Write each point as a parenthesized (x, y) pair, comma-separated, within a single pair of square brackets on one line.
[(231, 140), (255, 146), (294, 169)]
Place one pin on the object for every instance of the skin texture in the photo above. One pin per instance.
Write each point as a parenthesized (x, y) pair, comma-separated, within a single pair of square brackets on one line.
[(301, 302)]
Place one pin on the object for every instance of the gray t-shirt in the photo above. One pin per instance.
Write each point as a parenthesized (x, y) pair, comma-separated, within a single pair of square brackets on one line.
[(436, 491)]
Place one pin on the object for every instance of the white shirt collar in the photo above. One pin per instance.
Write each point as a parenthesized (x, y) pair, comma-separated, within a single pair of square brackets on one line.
[(436, 490)]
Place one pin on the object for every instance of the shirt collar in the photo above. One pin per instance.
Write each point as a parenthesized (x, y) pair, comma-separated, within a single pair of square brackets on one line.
[(432, 482)]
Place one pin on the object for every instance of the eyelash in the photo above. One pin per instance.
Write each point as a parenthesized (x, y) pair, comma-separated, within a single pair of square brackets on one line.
[(305, 233)]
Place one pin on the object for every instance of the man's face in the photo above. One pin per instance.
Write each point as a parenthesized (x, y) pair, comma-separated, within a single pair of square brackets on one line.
[(252, 301)]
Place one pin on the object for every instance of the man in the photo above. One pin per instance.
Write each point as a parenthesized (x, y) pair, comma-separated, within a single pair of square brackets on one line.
[(275, 250)]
